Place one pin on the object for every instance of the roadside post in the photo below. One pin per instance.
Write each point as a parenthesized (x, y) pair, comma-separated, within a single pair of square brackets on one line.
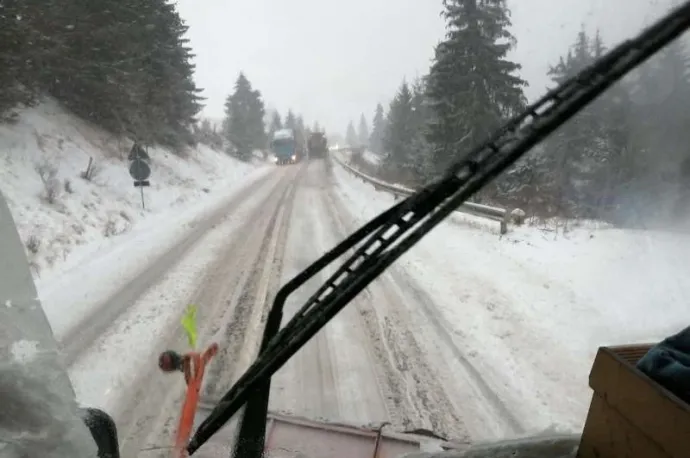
[(140, 169)]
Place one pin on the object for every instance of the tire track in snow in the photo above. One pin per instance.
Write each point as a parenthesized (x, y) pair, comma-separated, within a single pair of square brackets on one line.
[(401, 282), (426, 304), (92, 327), (332, 378), (148, 420), (417, 394), (244, 323)]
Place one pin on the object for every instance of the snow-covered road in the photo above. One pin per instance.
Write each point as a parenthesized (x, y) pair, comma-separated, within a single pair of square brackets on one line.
[(383, 358), (231, 291), (528, 310), (469, 335), (334, 376)]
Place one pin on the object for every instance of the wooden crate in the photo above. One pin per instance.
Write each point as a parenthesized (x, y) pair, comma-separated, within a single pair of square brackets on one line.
[(631, 416)]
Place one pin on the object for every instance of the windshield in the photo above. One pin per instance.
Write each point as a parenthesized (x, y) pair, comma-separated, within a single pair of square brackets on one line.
[(159, 209), (282, 143)]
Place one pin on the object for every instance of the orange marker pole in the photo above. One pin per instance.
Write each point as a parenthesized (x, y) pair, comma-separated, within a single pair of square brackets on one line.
[(194, 368)]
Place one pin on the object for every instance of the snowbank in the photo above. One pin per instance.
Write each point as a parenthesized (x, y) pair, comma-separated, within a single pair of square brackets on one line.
[(371, 157), (460, 218), (102, 377), (84, 236), (530, 309)]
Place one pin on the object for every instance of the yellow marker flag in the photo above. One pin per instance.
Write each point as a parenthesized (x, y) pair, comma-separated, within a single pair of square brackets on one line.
[(189, 324)]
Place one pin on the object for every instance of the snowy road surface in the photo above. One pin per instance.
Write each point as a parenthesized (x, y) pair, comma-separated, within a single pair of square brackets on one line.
[(528, 310), (333, 376), (463, 336), (231, 294), (383, 358)]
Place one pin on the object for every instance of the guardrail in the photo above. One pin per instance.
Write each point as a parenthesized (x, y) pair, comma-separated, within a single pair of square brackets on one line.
[(501, 215)]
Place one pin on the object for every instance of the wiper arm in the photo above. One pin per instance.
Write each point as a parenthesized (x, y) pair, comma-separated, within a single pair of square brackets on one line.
[(388, 236)]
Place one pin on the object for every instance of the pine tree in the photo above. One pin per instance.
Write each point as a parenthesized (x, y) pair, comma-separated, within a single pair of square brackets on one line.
[(420, 149), (17, 56), (124, 66), (302, 131), (207, 134), (351, 136), (577, 149), (471, 85), (657, 168), (92, 75), (363, 132), (290, 120), (170, 86), (244, 125), (317, 127), (299, 123), (615, 158), (377, 131), (276, 124), (399, 141)]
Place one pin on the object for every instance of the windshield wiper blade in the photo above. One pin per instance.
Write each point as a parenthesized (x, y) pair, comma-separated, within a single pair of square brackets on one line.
[(391, 234)]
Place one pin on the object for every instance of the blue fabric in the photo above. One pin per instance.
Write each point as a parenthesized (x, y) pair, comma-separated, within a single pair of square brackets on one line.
[(668, 363)]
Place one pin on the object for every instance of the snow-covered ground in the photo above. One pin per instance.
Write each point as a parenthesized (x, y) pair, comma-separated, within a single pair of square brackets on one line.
[(371, 157), (102, 377), (86, 238), (530, 309), (527, 310)]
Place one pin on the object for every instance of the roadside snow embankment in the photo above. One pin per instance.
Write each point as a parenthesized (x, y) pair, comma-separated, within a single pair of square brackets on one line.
[(460, 218), (530, 309), (371, 157), (86, 237)]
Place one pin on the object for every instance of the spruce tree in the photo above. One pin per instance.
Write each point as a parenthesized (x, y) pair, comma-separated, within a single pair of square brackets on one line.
[(17, 57), (276, 124), (124, 66), (399, 161), (290, 120), (420, 149), (207, 134), (658, 169), (377, 130), (169, 86), (92, 75), (301, 130), (299, 123), (472, 86), (577, 154), (258, 113), (351, 136), (244, 125), (363, 132)]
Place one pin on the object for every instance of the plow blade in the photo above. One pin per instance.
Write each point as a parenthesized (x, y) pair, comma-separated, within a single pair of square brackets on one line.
[(288, 436)]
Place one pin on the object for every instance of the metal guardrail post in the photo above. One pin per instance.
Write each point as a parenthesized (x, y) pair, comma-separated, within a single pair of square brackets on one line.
[(504, 223)]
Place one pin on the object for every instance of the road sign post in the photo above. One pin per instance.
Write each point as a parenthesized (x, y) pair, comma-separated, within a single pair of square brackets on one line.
[(140, 169)]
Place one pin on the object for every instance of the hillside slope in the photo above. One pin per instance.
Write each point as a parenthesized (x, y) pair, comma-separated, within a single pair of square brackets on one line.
[(64, 218)]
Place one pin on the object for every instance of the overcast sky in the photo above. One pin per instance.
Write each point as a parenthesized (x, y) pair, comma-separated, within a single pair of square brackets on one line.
[(331, 61)]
